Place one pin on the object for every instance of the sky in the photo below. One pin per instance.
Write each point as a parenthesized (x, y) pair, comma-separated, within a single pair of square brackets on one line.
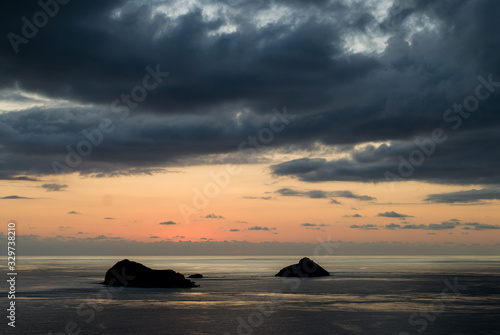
[(240, 127)]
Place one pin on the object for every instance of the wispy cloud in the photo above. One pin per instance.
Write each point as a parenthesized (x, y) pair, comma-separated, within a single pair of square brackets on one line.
[(18, 178), (352, 216), (14, 197), (258, 198), (314, 226), (470, 196), (393, 214), (213, 216), (480, 226), (318, 194), (168, 223), (445, 225), (54, 187), (392, 226), (365, 227), (307, 224), (261, 228)]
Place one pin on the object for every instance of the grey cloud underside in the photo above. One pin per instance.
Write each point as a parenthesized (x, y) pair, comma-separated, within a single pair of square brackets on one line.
[(469, 196), (318, 194), (340, 98), (445, 225), (466, 157)]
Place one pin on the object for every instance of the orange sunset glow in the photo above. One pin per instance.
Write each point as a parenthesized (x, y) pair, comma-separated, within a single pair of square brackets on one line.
[(134, 208)]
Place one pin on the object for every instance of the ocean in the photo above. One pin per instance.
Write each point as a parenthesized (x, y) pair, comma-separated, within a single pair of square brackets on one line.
[(397, 295)]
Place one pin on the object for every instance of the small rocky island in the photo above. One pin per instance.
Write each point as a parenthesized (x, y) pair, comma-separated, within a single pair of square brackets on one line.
[(196, 275), (305, 268), (133, 274)]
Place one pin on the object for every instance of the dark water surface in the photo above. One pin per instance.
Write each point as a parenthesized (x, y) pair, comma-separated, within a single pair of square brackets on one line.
[(240, 295)]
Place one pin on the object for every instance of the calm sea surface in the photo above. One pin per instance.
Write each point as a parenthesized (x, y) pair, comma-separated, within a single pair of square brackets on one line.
[(240, 295)]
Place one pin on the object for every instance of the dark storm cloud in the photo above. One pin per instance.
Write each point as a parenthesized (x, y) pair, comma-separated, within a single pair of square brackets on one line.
[(91, 53), (467, 157), (393, 214), (317, 194), (6, 175), (110, 51), (29, 143), (469, 196)]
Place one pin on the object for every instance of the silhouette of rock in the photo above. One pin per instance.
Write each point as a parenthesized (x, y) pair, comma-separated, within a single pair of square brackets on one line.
[(133, 274), (305, 268), (196, 275)]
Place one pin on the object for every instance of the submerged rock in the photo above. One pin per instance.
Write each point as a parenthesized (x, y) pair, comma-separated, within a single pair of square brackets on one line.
[(196, 275), (305, 268), (133, 274)]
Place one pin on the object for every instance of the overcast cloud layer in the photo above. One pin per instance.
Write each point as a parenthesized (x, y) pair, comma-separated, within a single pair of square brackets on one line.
[(350, 73)]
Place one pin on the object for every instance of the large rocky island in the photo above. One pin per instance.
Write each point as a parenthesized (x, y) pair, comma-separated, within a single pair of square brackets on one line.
[(305, 268), (133, 274)]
